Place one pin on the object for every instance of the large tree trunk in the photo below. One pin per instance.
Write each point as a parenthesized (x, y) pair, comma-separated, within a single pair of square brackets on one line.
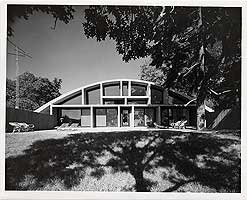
[(141, 185), (201, 116)]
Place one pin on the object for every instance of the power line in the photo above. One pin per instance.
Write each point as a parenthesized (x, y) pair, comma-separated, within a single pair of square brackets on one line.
[(22, 51), (14, 54), (18, 52)]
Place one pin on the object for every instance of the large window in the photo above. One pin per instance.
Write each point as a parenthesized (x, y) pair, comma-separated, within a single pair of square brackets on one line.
[(144, 115), (138, 90), (137, 101), (93, 96), (114, 101), (85, 117), (75, 100), (111, 117), (106, 117), (139, 119), (156, 96), (169, 115), (111, 90), (125, 89), (149, 115), (70, 115)]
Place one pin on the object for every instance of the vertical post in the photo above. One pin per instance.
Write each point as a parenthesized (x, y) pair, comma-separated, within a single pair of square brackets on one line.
[(149, 93), (17, 79), (158, 115), (119, 116), (121, 88), (91, 114), (129, 88), (51, 109), (165, 97), (82, 97), (132, 117), (101, 93)]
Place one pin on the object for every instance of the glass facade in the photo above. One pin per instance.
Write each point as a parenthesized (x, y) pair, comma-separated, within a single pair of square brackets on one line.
[(70, 115), (106, 117), (170, 115), (85, 117), (100, 106), (114, 101), (137, 101), (144, 115), (111, 90), (138, 90), (75, 100), (93, 96), (125, 89), (156, 96), (139, 119)]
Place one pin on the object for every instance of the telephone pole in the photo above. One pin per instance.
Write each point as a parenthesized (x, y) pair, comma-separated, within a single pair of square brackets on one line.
[(18, 52), (17, 79)]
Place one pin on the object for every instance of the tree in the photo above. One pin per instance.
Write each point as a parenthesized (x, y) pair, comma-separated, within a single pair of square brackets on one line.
[(197, 48), (59, 12), (153, 74), (34, 91)]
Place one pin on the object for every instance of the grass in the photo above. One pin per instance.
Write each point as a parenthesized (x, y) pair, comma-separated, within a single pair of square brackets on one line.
[(156, 161)]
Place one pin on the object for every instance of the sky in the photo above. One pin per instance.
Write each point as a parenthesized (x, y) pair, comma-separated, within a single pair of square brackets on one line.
[(66, 53)]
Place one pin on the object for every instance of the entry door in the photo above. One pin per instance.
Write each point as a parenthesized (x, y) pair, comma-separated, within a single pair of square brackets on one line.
[(125, 117)]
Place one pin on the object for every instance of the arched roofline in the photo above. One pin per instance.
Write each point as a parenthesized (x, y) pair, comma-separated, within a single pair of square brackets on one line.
[(77, 90)]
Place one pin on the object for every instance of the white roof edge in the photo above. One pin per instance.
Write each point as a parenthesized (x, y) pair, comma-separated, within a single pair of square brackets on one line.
[(43, 107), (208, 109)]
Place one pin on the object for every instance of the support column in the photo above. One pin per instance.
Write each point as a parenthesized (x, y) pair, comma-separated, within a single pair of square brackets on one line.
[(51, 109), (101, 93), (129, 88), (82, 97), (121, 88), (149, 93), (118, 117), (132, 117), (158, 115), (91, 114)]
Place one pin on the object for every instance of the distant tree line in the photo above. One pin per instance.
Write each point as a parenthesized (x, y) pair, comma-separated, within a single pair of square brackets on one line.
[(33, 91)]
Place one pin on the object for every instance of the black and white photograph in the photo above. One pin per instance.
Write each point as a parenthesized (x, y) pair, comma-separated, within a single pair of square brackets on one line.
[(134, 99)]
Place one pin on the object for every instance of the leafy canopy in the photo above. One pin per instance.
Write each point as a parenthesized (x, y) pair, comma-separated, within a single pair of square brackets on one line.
[(196, 48), (33, 91), (59, 12)]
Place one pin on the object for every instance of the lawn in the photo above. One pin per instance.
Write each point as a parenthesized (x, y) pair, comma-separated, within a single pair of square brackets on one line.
[(156, 161)]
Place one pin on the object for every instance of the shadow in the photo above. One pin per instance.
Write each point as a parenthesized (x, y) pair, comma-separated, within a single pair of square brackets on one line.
[(204, 158)]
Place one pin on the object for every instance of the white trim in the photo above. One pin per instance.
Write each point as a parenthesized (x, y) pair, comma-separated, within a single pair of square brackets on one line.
[(82, 89), (122, 105), (72, 92), (118, 117), (208, 109), (101, 93), (91, 116)]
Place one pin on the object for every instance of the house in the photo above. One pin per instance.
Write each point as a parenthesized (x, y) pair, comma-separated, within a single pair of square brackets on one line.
[(121, 103)]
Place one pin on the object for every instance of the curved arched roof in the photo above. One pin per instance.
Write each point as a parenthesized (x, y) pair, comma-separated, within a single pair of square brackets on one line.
[(78, 90)]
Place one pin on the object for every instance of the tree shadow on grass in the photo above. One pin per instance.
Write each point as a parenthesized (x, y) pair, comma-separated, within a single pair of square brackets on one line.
[(205, 158)]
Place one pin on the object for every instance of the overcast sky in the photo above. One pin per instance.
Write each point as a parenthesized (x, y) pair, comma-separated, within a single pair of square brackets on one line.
[(66, 53)]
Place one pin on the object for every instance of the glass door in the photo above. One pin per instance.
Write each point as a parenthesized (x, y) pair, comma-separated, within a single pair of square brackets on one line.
[(125, 117)]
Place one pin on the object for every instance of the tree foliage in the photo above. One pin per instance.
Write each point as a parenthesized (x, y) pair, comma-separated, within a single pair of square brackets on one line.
[(153, 74), (59, 12), (33, 91), (198, 48)]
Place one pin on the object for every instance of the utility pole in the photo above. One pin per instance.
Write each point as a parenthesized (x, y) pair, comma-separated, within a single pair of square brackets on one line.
[(18, 52), (17, 78)]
